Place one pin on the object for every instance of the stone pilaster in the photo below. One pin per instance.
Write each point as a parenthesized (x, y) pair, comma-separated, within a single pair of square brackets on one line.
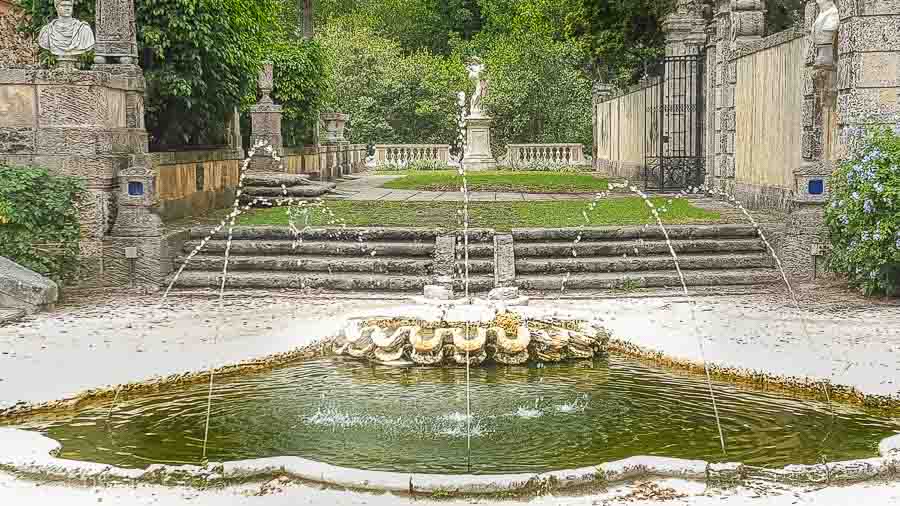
[(737, 22), (685, 29), (710, 108)]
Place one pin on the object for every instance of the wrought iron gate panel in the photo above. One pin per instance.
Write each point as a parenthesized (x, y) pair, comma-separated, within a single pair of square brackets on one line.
[(674, 126)]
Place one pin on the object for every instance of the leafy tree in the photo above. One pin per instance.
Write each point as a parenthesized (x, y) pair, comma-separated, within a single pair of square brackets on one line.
[(434, 25), (537, 92), (302, 85), (391, 96), (620, 35)]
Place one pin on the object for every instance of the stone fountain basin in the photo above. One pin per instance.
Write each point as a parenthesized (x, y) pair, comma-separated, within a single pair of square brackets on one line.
[(31, 454)]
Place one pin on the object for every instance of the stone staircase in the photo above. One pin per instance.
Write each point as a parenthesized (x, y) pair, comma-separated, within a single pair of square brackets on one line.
[(394, 259), (638, 257), (333, 259)]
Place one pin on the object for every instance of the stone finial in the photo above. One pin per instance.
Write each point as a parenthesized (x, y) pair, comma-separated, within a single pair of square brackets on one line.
[(266, 82), (116, 32), (748, 19), (66, 37), (824, 33)]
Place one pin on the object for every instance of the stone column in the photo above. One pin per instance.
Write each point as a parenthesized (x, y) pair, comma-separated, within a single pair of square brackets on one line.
[(307, 17), (710, 107), (116, 40), (265, 121)]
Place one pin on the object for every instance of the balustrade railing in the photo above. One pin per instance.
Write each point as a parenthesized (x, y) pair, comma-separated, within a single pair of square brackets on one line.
[(325, 162), (520, 155), (404, 153)]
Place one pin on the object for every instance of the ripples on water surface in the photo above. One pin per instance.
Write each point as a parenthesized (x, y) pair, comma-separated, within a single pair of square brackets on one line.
[(524, 419)]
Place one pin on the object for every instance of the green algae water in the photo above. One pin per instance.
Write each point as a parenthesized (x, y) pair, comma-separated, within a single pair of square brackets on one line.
[(530, 419)]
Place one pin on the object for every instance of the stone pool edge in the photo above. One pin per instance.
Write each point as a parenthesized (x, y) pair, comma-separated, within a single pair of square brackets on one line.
[(30, 454)]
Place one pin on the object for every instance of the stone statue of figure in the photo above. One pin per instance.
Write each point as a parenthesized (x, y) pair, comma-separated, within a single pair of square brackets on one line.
[(475, 70), (65, 36), (825, 31)]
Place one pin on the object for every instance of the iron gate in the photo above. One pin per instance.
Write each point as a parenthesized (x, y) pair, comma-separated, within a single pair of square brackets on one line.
[(673, 126)]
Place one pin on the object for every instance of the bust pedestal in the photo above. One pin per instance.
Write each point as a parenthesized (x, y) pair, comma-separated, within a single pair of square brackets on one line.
[(478, 144)]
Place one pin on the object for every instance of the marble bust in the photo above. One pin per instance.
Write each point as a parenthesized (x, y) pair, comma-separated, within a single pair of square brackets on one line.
[(825, 31), (476, 68), (65, 36)]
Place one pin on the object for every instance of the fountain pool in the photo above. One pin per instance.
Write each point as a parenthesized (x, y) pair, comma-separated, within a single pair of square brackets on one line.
[(526, 418)]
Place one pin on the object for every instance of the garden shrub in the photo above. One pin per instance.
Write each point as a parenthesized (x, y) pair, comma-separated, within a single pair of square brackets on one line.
[(863, 214), (39, 226)]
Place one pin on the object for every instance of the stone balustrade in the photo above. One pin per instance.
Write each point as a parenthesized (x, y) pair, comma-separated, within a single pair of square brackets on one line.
[(405, 153), (325, 162), (518, 155)]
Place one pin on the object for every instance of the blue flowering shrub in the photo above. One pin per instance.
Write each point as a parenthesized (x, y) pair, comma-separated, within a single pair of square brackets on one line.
[(863, 214)]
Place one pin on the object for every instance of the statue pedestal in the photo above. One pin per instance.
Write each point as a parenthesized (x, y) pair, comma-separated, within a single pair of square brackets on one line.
[(478, 144)]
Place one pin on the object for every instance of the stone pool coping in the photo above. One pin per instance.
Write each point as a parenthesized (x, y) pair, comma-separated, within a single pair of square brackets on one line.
[(29, 454)]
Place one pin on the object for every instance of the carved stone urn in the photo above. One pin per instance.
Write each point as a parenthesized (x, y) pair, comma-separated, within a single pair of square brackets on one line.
[(334, 123)]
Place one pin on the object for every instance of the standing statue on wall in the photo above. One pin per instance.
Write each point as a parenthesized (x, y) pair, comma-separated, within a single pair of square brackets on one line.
[(476, 68), (66, 37), (825, 31), (116, 33)]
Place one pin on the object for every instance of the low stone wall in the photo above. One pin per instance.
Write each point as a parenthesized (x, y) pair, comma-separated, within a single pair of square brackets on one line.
[(191, 183), (324, 162)]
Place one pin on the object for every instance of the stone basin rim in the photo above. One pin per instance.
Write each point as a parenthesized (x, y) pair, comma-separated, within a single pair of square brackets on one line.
[(33, 454)]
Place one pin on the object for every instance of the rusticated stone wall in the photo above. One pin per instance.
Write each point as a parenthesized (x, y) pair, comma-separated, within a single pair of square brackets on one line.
[(15, 47)]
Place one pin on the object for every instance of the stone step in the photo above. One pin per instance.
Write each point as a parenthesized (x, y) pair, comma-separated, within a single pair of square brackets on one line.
[(476, 266), (303, 263), (277, 179), (331, 233), (335, 248), (733, 231), (336, 281), (635, 248), (305, 191), (643, 263), (651, 279)]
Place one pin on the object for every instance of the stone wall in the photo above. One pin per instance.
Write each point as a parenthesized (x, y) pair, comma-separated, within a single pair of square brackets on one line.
[(623, 132), (767, 119), (15, 47), (192, 183)]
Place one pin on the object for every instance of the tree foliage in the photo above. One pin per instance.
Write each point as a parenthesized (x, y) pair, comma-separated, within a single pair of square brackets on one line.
[(391, 96), (537, 92), (302, 85), (39, 220)]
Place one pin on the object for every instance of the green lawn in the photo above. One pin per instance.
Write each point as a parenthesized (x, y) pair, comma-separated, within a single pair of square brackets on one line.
[(500, 181), (496, 215)]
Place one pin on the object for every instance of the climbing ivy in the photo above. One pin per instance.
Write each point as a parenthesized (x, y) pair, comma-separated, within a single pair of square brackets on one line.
[(39, 226)]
